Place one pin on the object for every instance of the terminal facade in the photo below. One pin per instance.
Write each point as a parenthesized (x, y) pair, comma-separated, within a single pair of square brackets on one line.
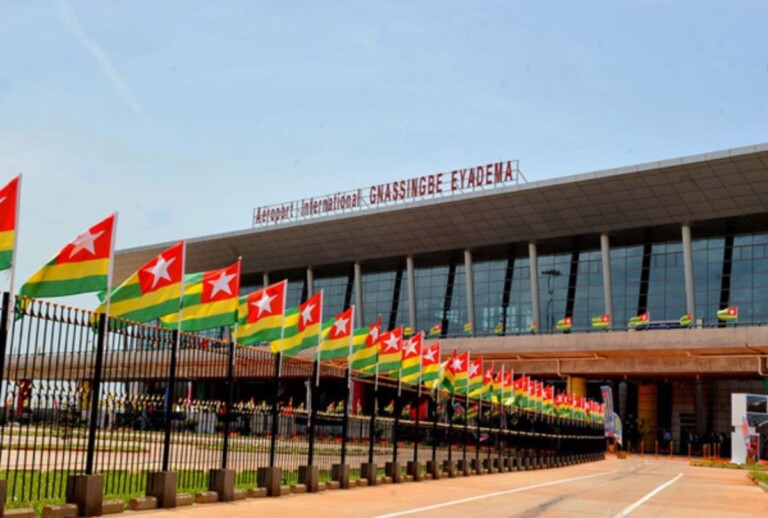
[(498, 267)]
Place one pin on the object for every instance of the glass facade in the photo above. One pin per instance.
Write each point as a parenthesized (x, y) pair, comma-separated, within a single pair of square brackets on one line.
[(749, 277), (708, 277), (588, 298), (626, 270), (728, 271), (378, 294), (489, 294), (431, 284), (553, 289), (337, 294)]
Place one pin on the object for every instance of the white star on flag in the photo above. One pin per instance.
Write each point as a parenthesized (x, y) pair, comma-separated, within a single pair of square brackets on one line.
[(160, 270), (340, 327), (430, 355), (391, 344), (264, 303), (85, 242), (222, 283), (473, 369), (306, 315), (375, 334), (457, 363), (410, 349)]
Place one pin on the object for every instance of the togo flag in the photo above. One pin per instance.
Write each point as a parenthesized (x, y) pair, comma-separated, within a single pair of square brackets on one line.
[(337, 337), (302, 327), (80, 267), (9, 205), (261, 313), (210, 300), (153, 291)]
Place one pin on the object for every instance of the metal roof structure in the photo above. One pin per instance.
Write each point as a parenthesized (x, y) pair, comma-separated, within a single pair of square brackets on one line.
[(708, 187)]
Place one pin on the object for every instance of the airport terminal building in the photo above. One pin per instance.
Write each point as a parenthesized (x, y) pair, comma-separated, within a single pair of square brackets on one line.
[(495, 263)]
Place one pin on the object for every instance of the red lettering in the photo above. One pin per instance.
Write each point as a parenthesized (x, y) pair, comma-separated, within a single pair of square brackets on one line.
[(439, 182), (498, 171)]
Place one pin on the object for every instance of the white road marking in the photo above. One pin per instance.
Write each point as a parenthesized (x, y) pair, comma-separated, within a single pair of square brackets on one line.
[(492, 495), (647, 497)]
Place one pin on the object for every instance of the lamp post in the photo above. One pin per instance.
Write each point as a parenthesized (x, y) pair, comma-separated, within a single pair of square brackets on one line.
[(551, 274)]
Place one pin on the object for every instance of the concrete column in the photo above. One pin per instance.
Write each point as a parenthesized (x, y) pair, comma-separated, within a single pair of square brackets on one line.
[(577, 386), (690, 296), (358, 295), (265, 279), (310, 282), (411, 292), (605, 252), (533, 259), (470, 282), (647, 410)]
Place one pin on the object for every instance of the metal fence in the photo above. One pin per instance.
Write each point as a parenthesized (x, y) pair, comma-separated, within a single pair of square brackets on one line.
[(124, 400)]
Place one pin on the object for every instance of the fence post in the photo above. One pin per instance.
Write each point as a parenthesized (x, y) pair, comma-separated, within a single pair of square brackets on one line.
[(309, 474), (392, 469), (271, 477), (230, 397), (340, 472), (414, 467), (4, 313), (162, 484), (477, 467), (464, 469), (432, 467), (368, 469), (222, 481), (449, 466), (86, 491)]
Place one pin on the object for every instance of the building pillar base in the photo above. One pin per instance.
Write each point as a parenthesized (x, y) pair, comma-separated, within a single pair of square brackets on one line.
[(340, 474), (162, 486), (222, 482), (270, 478), (87, 492)]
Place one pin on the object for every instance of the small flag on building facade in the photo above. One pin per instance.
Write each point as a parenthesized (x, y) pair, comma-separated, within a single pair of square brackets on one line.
[(533, 327), (686, 320), (640, 320), (499, 329), (601, 322), (564, 324), (468, 327), (436, 329), (729, 314)]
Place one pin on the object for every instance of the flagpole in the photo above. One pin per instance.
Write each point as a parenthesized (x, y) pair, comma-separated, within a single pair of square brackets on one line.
[(12, 280), (282, 334), (319, 341), (110, 269)]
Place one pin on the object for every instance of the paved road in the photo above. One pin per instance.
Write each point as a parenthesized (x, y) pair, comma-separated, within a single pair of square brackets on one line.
[(636, 487)]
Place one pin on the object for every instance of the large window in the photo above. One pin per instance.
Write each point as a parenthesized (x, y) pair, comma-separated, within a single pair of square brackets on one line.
[(666, 282), (378, 291), (294, 293), (334, 294), (520, 308), (489, 295), (553, 289), (708, 277), (431, 284), (588, 301), (626, 268), (749, 277), (457, 315)]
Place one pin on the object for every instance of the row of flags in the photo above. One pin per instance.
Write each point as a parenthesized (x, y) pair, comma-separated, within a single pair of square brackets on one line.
[(193, 302), (728, 314)]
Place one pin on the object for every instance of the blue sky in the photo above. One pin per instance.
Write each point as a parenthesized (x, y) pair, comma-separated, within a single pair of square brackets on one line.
[(186, 115)]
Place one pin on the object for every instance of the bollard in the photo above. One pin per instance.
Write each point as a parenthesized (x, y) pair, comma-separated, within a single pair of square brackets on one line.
[(656, 449), (642, 449), (671, 448)]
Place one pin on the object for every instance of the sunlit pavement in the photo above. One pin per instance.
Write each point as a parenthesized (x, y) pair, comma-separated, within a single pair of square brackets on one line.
[(636, 487)]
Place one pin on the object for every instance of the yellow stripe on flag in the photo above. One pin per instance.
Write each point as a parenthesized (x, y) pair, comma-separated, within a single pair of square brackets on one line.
[(6, 240), (70, 271), (172, 291)]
